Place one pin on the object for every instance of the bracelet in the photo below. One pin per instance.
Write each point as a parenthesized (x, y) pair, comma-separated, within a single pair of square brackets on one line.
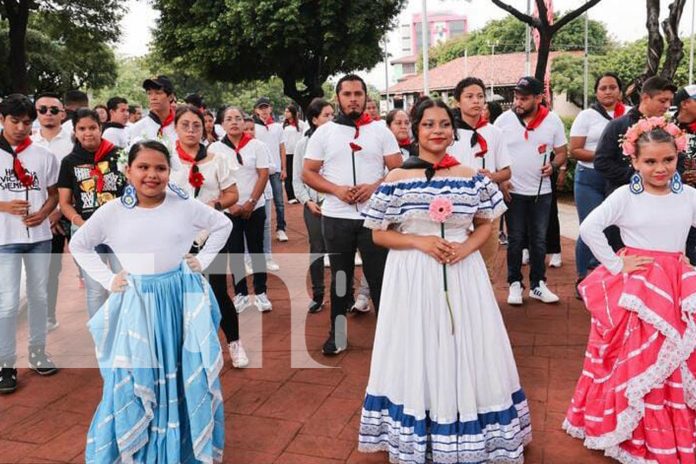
[(563, 168)]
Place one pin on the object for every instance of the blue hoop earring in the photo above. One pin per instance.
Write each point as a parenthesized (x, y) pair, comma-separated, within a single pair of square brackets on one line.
[(676, 184), (129, 198), (636, 184)]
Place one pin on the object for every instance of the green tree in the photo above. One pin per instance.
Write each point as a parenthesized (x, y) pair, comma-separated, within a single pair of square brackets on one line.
[(509, 35), (299, 41), (88, 21)]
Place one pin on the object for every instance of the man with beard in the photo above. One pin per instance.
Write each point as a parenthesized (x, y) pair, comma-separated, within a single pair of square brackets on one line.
[(115, 129), (346, 159), (532, 133), (58, 140)]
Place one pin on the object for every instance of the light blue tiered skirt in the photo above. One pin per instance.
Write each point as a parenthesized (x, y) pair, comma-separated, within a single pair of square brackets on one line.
[(160, 357)]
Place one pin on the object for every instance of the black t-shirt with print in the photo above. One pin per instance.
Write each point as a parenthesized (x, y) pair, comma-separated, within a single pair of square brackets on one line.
[(75, 174)]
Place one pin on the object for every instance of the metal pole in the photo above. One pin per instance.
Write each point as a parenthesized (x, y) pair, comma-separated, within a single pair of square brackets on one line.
[(493, 44), (586, 75), (691, 52), (425, 33), (386, 71), (527, 43)]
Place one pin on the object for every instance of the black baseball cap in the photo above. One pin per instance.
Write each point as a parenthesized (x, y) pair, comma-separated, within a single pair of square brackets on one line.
[(683, 94), (529, 85), (195, 100), (159, 83), (263, 101)]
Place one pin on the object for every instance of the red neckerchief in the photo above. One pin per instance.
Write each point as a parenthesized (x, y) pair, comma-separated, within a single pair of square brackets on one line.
[(691, 128), (162, 124), (448, 161), (414, 162), (104, 149), (246, 138), (195, 178), (269, 121), (619, 110), (405, 143), (26, 179), (542, 112)]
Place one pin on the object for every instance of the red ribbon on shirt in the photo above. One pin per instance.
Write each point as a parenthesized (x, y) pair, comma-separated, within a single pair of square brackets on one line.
[(195, 178), (167, 121), (483, 122), (619, 110), (448, 161), (20, 172), (104, 149), (542, 112), (404, 143), (246, 138)]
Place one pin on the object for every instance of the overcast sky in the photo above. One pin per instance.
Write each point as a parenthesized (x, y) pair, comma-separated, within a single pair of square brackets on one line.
[(625, 20)]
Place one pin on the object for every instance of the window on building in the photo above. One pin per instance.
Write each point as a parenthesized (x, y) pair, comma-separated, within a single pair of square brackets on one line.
[(406, 39), (457, 28), (419, 36), (409, 68)]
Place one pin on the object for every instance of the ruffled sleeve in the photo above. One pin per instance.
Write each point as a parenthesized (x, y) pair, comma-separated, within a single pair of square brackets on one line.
[(491, 204), (376, 213)]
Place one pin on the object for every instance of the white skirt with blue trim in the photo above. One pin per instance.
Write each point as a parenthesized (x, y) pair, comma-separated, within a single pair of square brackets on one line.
[(434, 395), (160, 357)]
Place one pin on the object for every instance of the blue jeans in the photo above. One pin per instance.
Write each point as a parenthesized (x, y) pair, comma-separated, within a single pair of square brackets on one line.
[(278, 199), (36, 258), (589, 193), (267, 231), (527, 216), (96, 294)]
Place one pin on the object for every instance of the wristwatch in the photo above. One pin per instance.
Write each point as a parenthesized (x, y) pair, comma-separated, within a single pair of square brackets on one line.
[(218, 206)]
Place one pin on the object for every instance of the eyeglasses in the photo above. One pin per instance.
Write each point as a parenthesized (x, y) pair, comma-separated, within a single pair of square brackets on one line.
[(43, 109), (191, 128)]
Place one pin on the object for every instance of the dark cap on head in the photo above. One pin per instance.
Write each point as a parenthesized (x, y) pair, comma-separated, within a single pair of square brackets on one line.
[(195, 100), (683, 94), (159, 83), (263, 101), (529, 85)]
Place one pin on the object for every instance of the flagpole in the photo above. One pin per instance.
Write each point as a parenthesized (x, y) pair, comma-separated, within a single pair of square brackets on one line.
[(425, 32), (527, 43)]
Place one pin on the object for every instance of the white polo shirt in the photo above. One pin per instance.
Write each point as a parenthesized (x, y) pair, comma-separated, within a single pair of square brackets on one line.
[(331, 144), (147, 129), (272, 136), (497, 157), (590, 124), (43, 166), (528, 155), (61, 145), (254, 156), (117, 135)]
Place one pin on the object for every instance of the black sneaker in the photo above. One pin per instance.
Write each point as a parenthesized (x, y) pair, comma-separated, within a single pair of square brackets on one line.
[(330, 348), (8, 379), (577, 290), (316, 305), (41, 363)]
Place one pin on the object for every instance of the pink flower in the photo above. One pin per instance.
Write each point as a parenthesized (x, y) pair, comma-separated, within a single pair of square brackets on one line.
[(629, 148), (440, 209), (681, 143), (645, 125)]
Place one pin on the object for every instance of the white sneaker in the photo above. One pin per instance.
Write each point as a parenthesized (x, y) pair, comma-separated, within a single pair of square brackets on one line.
[(247, 267), (262, 303), (272, 265), (515, 294), (238, 355), (525, 257), (555, 260), (282, 236), (241, 302), (294, 201), (358, 259), (362, 304), (543, 293), (51, 326), (327, 263)]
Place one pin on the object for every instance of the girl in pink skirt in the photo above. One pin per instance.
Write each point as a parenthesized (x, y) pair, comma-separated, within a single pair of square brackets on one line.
[(636, 397)]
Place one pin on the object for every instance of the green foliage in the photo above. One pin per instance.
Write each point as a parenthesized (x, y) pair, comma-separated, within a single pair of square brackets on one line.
[(296, 40), (509, 36)]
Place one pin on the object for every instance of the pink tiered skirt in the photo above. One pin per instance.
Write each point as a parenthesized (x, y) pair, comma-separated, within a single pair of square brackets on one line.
[(636, 397)]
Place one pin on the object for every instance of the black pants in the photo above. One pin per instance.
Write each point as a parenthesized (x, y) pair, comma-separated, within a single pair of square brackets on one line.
[(527, 216), (343, 237), (55, 266), (553, 232), (289, 191), (317, 249), (252, 230), (217, 276)]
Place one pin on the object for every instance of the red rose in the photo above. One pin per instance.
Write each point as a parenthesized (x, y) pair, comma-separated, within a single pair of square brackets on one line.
[(355, 146), (196, 179), (542, 149), (27, 180)]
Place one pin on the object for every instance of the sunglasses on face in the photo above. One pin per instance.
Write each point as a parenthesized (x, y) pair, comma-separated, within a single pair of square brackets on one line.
[(43, 109)]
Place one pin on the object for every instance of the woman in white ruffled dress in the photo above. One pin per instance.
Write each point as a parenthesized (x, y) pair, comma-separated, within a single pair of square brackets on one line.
[(443, 384)]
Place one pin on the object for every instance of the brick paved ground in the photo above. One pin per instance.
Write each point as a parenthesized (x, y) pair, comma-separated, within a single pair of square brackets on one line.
[(279, 414)]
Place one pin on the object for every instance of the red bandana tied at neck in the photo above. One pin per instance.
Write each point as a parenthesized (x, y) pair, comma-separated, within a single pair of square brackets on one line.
[(195, 178), (167, 121), (104, 149), (26, 179), (448, 161), (619, 110), (542, 112), (362, 121), (405, 143), (483, 122)]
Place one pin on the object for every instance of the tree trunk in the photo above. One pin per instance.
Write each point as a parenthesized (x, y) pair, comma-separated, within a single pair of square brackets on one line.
[(545, 36), (302, 98), (675, 47), (17, 13), (655, 43)]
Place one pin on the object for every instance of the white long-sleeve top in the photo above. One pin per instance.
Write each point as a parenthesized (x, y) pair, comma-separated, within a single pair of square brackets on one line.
[(646, 221), (148, 240)]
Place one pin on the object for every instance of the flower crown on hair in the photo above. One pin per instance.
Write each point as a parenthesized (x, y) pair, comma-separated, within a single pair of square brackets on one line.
[(630, 139)]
